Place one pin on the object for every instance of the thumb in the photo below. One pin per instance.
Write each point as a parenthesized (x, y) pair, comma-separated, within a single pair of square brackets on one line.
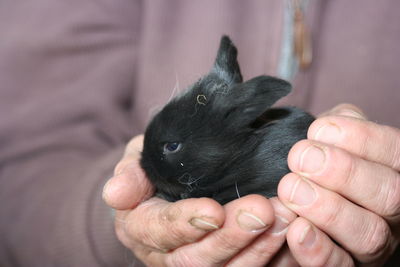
[(129, 186)]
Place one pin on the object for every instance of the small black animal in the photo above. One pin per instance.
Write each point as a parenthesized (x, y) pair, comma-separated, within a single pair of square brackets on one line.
[(220, 139)]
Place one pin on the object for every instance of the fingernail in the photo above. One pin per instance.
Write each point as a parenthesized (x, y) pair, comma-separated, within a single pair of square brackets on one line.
[(279, 225), (203, 224), (302, 193), (120, 170), (351, 113), (105, 189), (250, 222), (307, 237), (312, 159), (328, 133)]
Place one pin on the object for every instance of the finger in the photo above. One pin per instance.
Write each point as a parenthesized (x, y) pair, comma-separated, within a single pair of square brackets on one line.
[(312, 247), (145, 254), (135, 146), (163, 226), (132, 153), (265, 246), (129, 188), (347, 110), (366, 139), (361, 232), (246, 218), (369, 184)]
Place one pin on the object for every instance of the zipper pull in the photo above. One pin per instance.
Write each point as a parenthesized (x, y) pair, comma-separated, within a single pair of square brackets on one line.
[(302, 38)]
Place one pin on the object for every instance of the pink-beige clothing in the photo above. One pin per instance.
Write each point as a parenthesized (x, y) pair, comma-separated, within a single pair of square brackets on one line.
[(79, 78)]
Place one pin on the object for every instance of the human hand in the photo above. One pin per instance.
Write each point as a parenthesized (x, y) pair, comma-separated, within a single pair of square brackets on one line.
[(192, 232), (345, 187)]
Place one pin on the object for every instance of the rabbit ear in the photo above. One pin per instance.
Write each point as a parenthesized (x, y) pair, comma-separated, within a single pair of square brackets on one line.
[(247, 101), (226, 65)]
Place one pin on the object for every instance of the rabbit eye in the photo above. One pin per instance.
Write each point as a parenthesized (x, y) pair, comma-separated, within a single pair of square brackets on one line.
[(172, 147)]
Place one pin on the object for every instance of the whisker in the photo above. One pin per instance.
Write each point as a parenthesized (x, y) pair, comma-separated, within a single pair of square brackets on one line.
[(237, 190), (176, 87)]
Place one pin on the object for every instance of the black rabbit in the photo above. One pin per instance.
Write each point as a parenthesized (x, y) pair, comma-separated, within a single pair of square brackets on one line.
[(219, 138)]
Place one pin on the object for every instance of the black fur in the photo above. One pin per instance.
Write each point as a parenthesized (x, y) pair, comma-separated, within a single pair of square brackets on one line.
[(231, 142)]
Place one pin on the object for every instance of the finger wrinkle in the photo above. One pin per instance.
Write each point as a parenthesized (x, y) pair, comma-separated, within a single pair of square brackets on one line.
[(146, 232), (376, 239), (182, 259), (350, 175), (390, 191), (395, 162), (331, 218)]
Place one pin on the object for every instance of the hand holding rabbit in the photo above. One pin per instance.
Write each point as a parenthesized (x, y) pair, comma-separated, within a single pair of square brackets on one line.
[(345, 187), (193, 232), (371, 237)]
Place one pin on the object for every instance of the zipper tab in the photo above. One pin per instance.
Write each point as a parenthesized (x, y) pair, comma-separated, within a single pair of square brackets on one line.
[(302, 37)]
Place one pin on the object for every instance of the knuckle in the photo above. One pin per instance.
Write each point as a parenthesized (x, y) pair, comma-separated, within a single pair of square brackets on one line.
[(334, 257), (173, 228), (330, 255), (162, 229), (176, 236), (392, 198), (366, 138), (377, 240), (146, 234), (170, 214), (141, 235), (122, 236), (395, 161), (169, 220)]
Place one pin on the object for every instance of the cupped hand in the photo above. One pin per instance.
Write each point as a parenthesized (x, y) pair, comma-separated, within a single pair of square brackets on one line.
[(345, 186), (192, 232)]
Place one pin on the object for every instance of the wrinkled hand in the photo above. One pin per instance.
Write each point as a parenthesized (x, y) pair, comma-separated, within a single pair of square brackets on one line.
[(345, 187), (193, 232)]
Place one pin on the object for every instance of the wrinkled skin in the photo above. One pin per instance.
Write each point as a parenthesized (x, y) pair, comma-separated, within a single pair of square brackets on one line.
[(351, 214)]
